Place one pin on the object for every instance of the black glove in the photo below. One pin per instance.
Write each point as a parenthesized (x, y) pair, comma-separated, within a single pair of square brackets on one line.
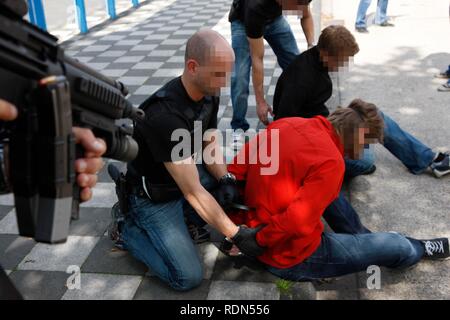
[(245, 240), (227, 193)]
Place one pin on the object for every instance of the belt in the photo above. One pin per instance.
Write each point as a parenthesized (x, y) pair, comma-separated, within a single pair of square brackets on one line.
[(137, 190)]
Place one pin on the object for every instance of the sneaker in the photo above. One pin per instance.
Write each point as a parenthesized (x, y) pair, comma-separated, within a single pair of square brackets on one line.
[(238, 141), (445, 87), (116, 225), (441, 165), (386, 24), (361, 30), (198, 234), (443, 75), (436, 249)]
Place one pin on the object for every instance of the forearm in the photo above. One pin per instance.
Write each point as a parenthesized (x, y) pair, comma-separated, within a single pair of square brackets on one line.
[(210, 211), (213, 158), (308, 29), (258, 79)]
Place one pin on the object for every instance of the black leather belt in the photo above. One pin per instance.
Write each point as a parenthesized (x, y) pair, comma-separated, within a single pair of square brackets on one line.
[(137, 190)]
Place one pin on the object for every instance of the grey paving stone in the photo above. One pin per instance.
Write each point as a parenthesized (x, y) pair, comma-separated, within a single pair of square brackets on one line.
[(139, 73), (104, 258), (7, 200), (8, 225), (93, 222), (104, 196), (58, 257), (40, 285), (4, 210), (104, 287), (234, 290), (342, 288), (240, 269), (13, 249), (209, 253), (154, 289), (425, 281), (300, 291)]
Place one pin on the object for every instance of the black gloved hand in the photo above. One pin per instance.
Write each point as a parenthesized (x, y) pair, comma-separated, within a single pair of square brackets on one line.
[(227, 193), (245, 240)]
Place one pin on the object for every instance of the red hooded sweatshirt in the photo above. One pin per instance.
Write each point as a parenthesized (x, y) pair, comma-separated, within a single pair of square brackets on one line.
[(291, 196)]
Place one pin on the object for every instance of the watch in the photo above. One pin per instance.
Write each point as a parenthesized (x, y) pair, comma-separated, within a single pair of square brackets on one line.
[(229, 177)]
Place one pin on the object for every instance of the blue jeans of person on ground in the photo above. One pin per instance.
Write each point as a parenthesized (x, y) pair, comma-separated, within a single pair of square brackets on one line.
[(416, 156), (352, 248), (340, 254), (157, 235), (282, 41), (380, 16)]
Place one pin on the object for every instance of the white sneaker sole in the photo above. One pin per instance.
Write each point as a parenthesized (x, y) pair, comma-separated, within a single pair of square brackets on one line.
[(440, 174), (444, 89)]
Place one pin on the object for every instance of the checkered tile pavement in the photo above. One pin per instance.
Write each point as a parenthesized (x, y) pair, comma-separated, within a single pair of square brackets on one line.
[(95, 17), (143, 49)]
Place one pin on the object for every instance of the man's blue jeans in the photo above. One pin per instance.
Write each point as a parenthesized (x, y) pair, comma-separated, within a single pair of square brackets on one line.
[(282, 41), (157, 235), (416, 156), (340, 254), (380, 16)]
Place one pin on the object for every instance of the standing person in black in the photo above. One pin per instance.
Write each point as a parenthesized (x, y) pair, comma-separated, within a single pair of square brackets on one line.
[(164, 178), (252, 22)]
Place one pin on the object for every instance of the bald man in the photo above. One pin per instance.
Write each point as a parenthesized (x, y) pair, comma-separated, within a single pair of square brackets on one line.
[(166, 183)]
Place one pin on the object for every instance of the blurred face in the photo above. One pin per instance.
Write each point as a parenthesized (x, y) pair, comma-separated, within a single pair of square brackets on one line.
[(214, 75), (335, 63), (361, 140), (294, 7)]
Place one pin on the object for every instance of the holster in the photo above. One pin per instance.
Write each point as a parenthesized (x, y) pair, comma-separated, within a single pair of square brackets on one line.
[(122, 194)]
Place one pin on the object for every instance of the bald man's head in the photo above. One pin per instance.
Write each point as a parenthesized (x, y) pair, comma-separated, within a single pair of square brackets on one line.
[(209, 59), (205, 44)]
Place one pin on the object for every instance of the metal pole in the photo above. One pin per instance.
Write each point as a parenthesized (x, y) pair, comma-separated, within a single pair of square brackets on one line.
[(111, 7), (36, 13), (81, 15)]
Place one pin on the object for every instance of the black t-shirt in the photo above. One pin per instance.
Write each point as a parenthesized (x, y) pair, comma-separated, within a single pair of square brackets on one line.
[(303, 88), (175, 110), (255, 14)]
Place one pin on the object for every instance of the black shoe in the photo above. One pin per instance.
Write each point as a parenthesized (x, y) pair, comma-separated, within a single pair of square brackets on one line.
[(436, 249), (116, 225), (386, 24), (441, 165), (362, 30), (198, 234)]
